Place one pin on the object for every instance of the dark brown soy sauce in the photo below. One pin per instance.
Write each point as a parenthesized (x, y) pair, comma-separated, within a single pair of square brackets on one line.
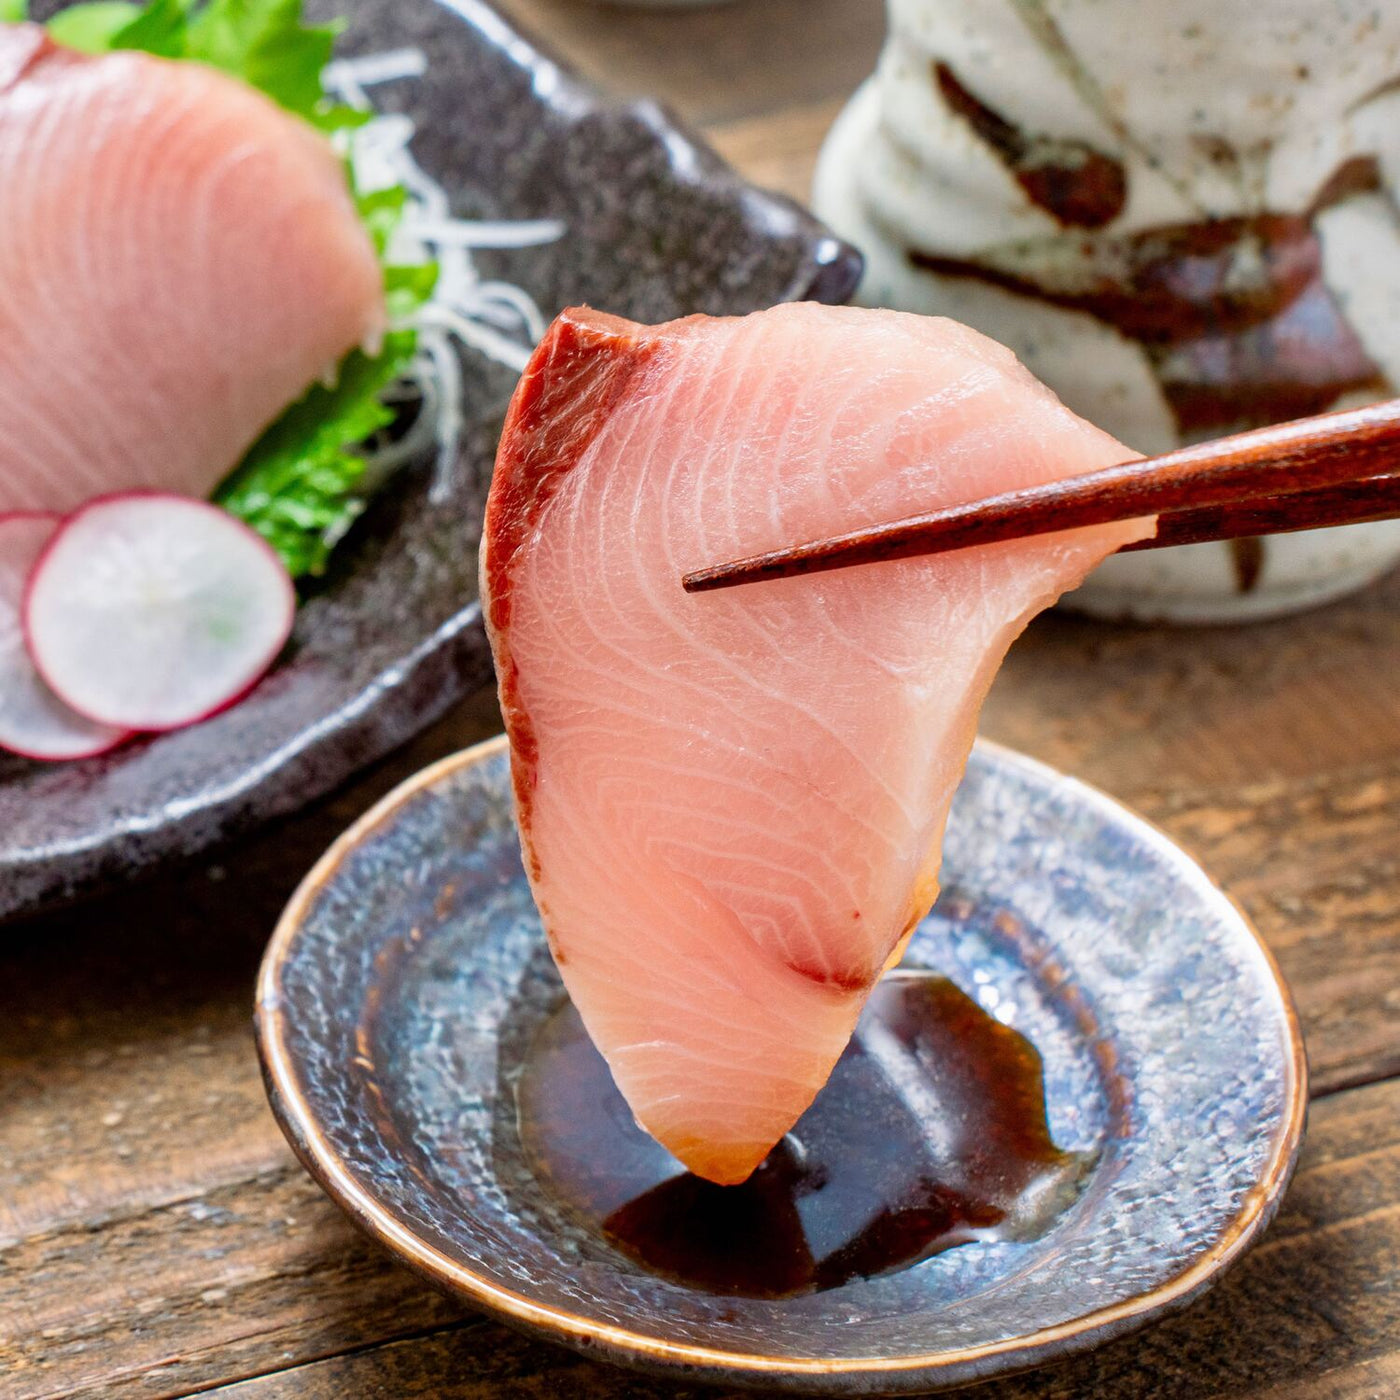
[(930, 1133)]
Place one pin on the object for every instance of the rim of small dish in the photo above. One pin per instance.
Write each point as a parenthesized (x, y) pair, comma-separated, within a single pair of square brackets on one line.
[(945, 1368)]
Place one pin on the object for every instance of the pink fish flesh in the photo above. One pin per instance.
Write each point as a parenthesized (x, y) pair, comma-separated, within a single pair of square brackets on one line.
[(732, 804)]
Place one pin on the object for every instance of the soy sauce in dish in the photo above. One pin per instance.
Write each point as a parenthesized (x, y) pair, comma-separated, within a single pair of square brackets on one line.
[(930, 1133)]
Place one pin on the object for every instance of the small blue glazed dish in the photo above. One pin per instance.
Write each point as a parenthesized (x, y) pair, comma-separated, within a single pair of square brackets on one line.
[(410, 973)]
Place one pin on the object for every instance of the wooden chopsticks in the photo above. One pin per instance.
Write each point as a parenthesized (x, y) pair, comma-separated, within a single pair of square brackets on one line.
[(1331, 469)]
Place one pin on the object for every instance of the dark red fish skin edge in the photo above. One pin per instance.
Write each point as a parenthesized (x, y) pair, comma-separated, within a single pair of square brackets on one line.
[(584, 366), (580, 371)]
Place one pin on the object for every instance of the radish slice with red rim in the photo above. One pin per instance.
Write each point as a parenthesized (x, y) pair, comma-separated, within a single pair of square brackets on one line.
[(153, 611), (34, 722)]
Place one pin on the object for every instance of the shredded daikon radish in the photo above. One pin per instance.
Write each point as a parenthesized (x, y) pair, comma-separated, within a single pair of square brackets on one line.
[(496, 319), (343, 75), (524, 234)]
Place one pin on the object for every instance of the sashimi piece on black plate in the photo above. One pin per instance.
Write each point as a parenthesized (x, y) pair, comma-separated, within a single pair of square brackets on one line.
[(182, 258)]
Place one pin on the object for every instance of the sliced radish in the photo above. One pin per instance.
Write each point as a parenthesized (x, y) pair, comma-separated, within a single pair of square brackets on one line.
[(153, 611), (33, 720)]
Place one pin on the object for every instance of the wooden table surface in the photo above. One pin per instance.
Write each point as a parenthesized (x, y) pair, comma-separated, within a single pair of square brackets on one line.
[(157, 1238)]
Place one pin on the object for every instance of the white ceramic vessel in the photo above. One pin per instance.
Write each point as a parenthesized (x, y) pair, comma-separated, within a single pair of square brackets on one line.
[(1181, 217)]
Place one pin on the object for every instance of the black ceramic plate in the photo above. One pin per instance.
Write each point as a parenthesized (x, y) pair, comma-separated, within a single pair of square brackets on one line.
[(657, 227), (410, 974)]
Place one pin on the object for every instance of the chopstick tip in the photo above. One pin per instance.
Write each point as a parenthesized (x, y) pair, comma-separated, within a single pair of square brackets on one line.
[(704, 580)]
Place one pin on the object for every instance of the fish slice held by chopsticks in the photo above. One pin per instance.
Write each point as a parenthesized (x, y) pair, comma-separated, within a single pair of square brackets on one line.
[(732, 805)]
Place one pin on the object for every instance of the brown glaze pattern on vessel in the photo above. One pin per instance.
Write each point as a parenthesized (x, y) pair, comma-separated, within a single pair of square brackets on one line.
[(1076, 185), (1233, 315), (1258, 148)]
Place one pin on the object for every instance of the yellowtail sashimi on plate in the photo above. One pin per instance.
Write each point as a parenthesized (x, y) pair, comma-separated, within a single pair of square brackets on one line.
[(181, 259)]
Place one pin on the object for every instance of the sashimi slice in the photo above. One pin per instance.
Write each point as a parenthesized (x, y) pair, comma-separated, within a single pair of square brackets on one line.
[(153, 611), (732, 804), (34, 722), (180, 260)]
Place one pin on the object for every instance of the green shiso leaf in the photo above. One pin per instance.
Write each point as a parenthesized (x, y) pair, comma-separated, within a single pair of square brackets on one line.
[(265, 43), (91, 28), (160, 29), (262, 42), (299, 485)]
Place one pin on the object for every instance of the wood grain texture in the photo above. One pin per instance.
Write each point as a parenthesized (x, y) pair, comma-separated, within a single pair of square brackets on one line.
[(1313, 1312), (156, 1238), (156, 1234), (779, 149), (716, 63)]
